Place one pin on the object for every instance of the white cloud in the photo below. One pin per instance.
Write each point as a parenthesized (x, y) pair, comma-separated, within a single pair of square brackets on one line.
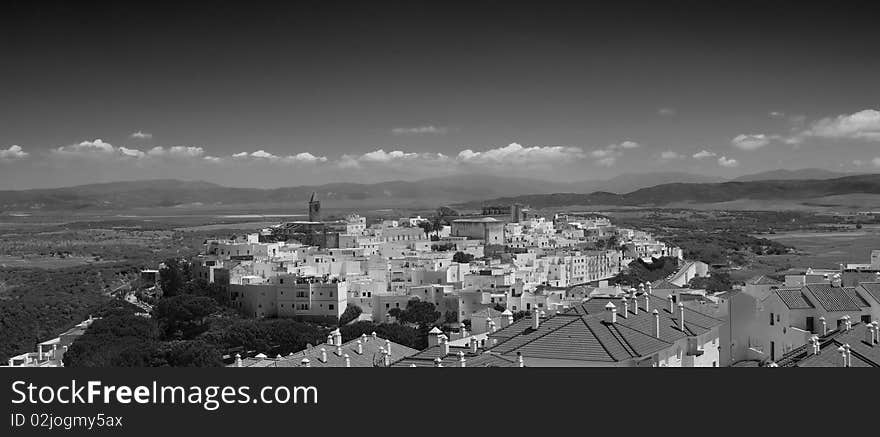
[(667, 112), (515, 153), (729, 163), (608, 156), (750, 141), (12, 153), (176, 152), (669, 154), (418, 130), (704, 154), (383, 156), (777, 114), (87, 148), (142, 135), (862, 125), (625, 145), (264, 156), (134, 153)]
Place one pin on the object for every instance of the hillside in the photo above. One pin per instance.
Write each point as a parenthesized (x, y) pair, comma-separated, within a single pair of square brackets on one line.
[(681, 193)]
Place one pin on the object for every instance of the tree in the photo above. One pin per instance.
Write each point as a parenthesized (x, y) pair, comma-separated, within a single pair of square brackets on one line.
[(195, 353), (463, 258), (184, 316), (715, 283), (172, 276), (351, 312), (400, 334), (115, 341), (500, 307), (420, 313)]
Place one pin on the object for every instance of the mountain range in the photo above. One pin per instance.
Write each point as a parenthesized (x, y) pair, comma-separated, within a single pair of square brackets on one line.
[(467, 190)]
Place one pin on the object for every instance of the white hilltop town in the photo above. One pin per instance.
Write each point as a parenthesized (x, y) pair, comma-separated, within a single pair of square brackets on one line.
[(516, 289)]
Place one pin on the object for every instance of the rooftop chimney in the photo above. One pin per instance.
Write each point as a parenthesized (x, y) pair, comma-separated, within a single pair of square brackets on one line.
[(388, 346), (824, 329), (610, 313), (438, 362), (876, 332), (848, 354), (444, 345), (647, 301), (386, 358), (869, 334), (656, 323), (841, 323), (462, 328), (507, 318), (650, 288), (305, 362), (434, 336), (536, 319), (347, 360), (635, 305), (360, 347), (337, 337), (625, 307), (374, 335), (671, 304), (461, 359), (519, 360), (473, 345), (323, 355), (848, 322), (492, 327), (681, 316), (330, 338), (237, 360)]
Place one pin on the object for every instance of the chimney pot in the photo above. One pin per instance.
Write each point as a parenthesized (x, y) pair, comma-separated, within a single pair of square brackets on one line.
[(824, 325), (681, 316), (473, 345), (610, 313), (536, 319), (323, 355), (237, 360), (461, 359), (438, 362), (305, 362), (388, 345), (625, 307), (347, 360), (671, 304), (647, 302), (519, 359), (656, 323)]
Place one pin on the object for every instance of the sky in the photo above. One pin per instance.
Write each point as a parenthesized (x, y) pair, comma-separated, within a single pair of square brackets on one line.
[(301, 93)]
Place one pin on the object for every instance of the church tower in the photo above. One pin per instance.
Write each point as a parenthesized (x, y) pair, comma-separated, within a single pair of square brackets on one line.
[(314, 209)]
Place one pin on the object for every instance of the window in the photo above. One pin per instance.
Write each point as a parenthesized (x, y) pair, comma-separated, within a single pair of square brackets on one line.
[(866, 319), (771, 319)]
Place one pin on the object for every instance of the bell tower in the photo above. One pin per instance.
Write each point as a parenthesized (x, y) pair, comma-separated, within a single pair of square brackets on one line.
[(314, 209)]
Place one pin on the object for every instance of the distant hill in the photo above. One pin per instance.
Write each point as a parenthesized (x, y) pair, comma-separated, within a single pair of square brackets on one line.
[(629, 182), (783, 175), (679, 193), (170, 192)]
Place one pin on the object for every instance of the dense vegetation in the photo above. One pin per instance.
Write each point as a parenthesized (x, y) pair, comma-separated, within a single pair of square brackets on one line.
[(725, 247), (639, 271), (38, 304)]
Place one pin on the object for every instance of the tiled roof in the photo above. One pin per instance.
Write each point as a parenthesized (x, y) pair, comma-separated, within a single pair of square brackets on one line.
[(582, 334), (762, 280), (856, 297), (663, 284), (871, 289), (863, 354), (832, 298), (794, 298), (371, 357), (427, 358), (487, 312)]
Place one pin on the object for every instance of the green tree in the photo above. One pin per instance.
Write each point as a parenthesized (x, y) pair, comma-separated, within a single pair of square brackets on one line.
[(351, 312), (420, 313), (184, 316), (461, 257)]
